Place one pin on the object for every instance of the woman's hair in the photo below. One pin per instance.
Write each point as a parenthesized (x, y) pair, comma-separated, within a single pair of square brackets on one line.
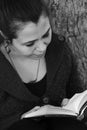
[(15, 12)]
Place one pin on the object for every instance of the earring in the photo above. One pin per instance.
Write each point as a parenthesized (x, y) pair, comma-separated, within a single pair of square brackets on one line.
[(2, 34), (8, 50), (6, 42)]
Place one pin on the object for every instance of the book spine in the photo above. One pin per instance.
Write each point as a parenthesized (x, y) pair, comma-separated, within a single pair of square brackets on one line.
[(82, 109)]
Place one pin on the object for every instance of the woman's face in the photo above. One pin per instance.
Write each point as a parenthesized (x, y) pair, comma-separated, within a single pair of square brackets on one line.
[(32, 39)]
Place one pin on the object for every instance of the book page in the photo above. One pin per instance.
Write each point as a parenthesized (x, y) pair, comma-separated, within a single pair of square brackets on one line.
[(48, 110), (55, 110), (71, 109), (76, 102)]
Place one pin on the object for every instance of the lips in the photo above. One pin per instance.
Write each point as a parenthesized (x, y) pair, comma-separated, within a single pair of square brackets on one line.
[(37, 56), (40, 53)]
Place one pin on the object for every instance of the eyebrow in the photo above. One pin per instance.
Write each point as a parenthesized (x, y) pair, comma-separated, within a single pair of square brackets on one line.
[(36, 39)]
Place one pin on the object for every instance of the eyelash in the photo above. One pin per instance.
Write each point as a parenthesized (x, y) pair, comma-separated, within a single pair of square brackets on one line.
[(32, 43), (46, 35)]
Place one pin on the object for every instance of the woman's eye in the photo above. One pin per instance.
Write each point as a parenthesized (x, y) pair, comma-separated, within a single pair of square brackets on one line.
[(85, 30), (30, 44), (46, 35)]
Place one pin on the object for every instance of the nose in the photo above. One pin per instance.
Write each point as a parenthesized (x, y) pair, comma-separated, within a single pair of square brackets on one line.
[(41, 46)]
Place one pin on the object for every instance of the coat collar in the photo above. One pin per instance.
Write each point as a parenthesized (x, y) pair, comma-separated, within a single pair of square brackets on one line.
[(11, 82)]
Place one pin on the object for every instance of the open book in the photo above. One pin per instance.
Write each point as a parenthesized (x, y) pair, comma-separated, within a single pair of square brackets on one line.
[(75, 107)]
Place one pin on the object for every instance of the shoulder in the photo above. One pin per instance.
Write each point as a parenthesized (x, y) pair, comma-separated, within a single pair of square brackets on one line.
[(58, 39), (59, 45), (59, 51)]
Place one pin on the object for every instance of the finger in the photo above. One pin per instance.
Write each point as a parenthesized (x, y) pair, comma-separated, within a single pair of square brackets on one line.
[(64, 102)]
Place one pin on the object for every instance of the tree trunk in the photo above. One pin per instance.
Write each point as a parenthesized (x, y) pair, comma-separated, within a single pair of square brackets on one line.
[(69, 18)]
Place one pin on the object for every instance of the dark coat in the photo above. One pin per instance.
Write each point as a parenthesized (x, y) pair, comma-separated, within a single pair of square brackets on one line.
[(62, 81)]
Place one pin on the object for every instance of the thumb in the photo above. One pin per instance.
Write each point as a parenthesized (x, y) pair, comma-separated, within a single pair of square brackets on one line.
[(64, 101)]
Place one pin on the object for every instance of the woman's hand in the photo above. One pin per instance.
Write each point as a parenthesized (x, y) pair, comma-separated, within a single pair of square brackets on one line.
[(64, 102)]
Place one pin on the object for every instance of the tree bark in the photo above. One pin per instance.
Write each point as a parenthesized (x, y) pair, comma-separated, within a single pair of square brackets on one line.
[(69, 18)]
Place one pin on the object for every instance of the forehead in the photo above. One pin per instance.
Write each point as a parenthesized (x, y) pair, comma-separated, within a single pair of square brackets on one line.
[(31, 31)]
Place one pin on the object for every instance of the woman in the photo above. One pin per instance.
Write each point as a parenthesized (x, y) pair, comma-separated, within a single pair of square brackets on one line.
[(36, 67)]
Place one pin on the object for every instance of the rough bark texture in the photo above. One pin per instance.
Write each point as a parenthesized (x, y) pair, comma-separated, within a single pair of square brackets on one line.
[(69, 18)]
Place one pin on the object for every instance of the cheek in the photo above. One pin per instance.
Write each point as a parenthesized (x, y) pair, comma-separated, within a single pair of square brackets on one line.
[(50, 36), (48, 39), (24, 50), (27, 50)]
